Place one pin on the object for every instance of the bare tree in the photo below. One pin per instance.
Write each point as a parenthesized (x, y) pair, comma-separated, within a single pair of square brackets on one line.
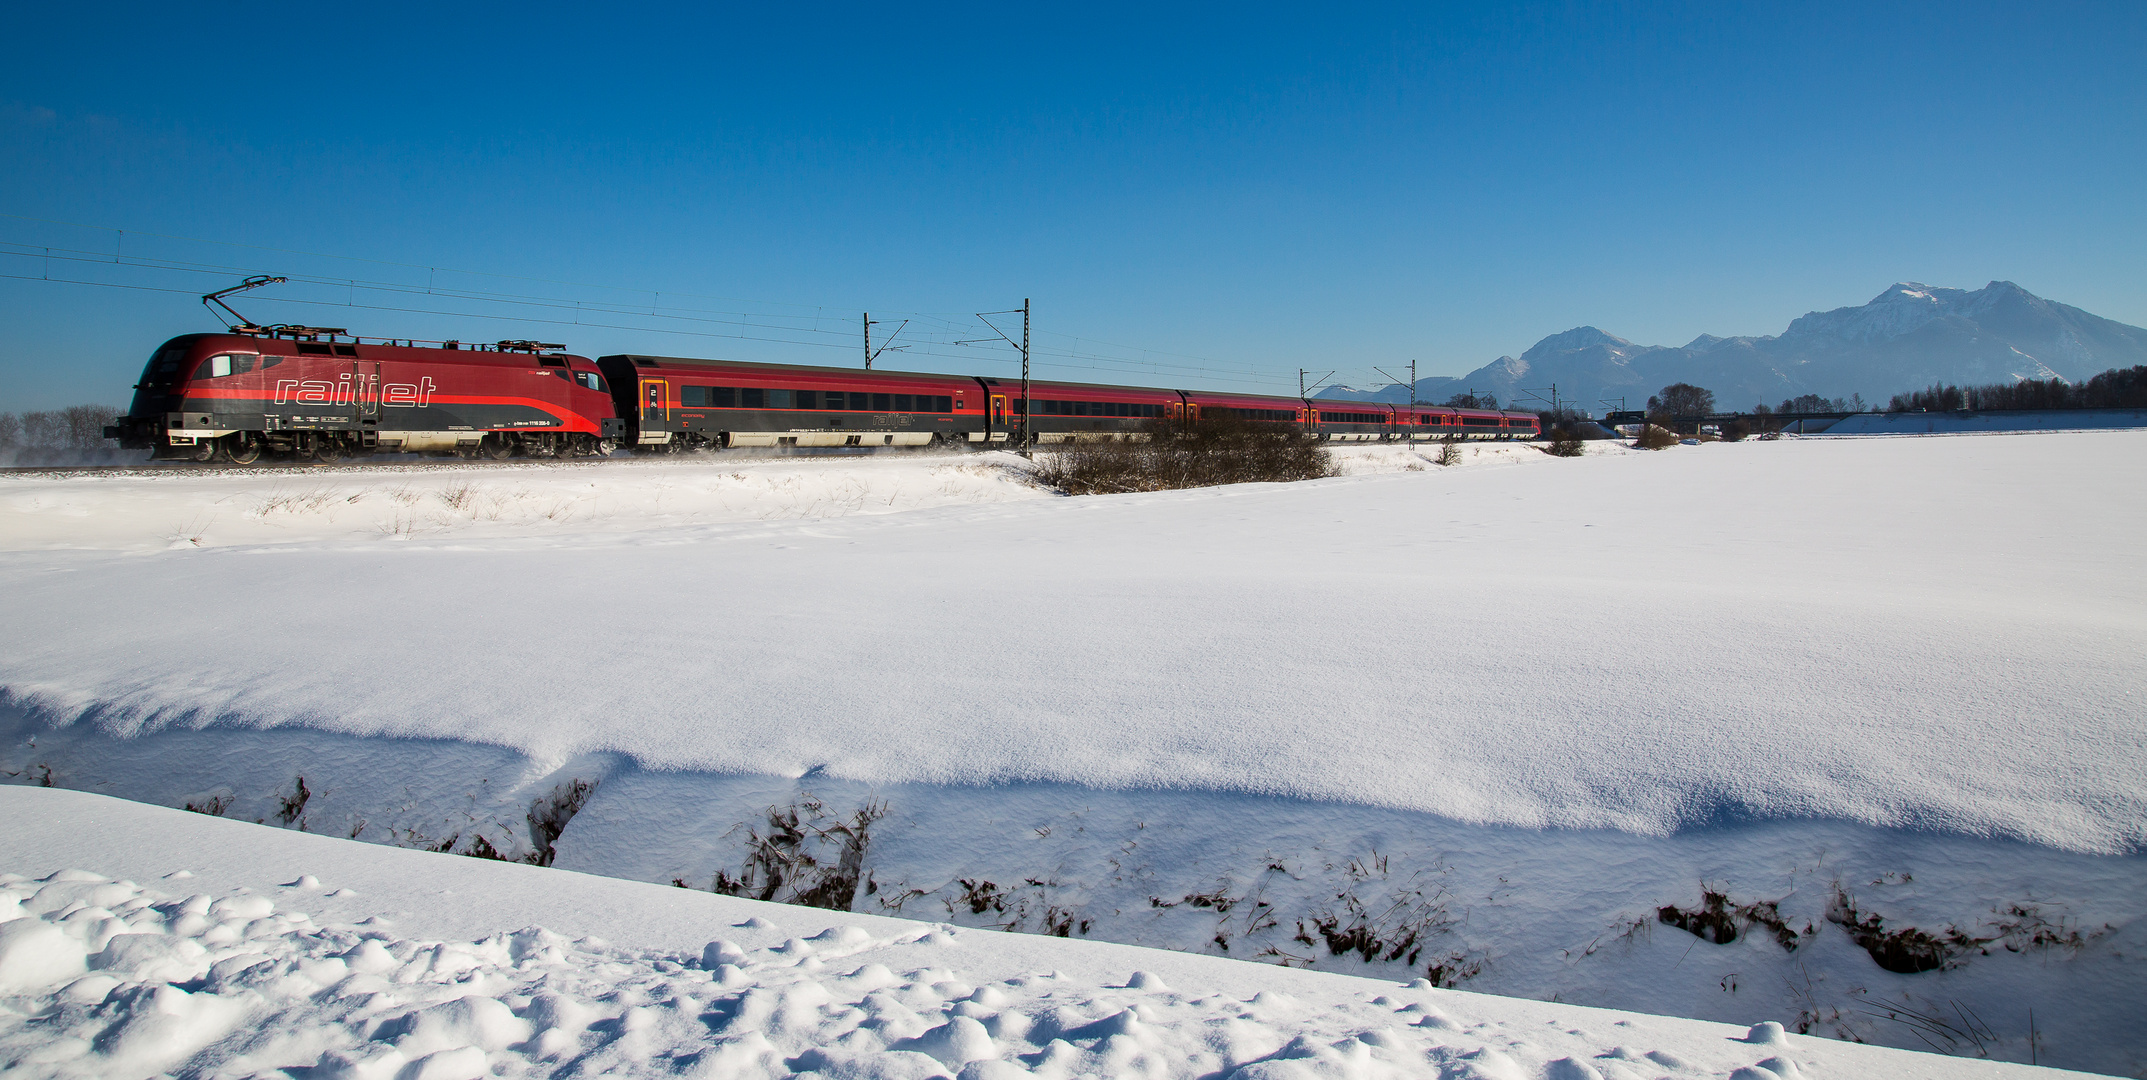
[(84, 426), (1485, 400), (1682, 399), (77, 427), (40, 430)]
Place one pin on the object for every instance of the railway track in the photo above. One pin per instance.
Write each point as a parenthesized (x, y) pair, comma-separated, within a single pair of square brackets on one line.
[(412, 463)]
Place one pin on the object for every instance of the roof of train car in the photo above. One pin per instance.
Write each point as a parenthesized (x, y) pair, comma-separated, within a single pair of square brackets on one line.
[(374, 349), (1036, 385), (786, 369)]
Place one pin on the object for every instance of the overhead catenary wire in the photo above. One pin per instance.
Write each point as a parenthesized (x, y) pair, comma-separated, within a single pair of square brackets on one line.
[(810, 326), (656, 295), (952, 328)]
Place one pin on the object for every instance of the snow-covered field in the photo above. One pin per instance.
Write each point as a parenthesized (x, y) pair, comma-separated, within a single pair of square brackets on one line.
[(1507, 726), (219, 949)]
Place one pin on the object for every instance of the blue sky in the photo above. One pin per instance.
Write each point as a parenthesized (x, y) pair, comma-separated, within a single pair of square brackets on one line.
[(1209, 196)]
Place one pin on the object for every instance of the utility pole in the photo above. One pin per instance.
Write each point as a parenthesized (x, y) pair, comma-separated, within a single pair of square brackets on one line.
[(1025, 435), (1411, 418), (1023, 345), (870, 353)]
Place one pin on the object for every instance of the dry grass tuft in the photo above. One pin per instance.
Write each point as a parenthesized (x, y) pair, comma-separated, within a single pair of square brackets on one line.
[(1220, 450)]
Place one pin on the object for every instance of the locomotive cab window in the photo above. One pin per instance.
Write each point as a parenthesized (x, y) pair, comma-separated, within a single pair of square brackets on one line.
[(223, 364)]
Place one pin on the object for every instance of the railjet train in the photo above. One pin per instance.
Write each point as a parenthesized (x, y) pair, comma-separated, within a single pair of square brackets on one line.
[(311, 393)]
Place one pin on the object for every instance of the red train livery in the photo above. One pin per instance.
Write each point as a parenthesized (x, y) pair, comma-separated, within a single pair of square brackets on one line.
[(681, 403), (307, 394), (237, 396)]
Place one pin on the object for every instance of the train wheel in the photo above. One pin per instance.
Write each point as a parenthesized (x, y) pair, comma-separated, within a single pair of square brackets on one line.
[(327, 451), (606, 447), (206, 451), (496, 447), (242, 449)]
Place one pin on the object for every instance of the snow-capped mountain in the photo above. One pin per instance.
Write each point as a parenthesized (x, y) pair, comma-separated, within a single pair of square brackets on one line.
[(1908, 337)]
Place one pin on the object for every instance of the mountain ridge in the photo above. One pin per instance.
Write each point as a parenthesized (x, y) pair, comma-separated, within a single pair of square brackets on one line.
[(1908, 337)]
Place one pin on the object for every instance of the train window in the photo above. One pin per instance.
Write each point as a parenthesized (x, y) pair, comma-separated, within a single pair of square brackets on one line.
[(168, 360), (860, 401), (880, 403), (942, 403), (806, 399), (779, 399), (590, 379), (563, 374), (693, 397), (752, 397), (722, 397), (270, 361), (902, 403), (223, 364)]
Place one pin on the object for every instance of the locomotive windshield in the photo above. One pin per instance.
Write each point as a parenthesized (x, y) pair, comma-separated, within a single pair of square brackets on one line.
[(157, 378)]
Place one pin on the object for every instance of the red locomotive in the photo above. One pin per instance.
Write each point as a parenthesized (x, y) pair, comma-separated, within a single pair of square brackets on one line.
[(310, 394)]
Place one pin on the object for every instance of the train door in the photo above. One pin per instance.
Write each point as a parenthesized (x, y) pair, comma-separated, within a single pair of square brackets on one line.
[(368, 378), (998, 412), (655, 405)]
